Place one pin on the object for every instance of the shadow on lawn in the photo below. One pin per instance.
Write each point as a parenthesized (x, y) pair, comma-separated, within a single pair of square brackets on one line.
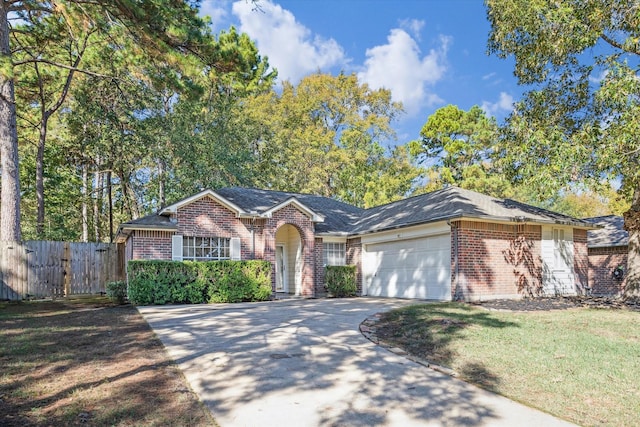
[(84, 364), (427, 331)]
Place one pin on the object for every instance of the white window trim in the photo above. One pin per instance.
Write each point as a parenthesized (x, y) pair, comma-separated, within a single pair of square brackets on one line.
[(177, 247)]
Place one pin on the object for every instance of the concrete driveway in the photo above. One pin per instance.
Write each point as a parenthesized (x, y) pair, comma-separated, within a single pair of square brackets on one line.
[(305, 363)]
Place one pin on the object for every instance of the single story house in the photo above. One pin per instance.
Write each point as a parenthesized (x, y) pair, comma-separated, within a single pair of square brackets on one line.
[(608, 248), (451, 244)]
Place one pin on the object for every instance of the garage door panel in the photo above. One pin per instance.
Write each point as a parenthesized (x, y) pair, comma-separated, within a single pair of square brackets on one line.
[(418, 268)]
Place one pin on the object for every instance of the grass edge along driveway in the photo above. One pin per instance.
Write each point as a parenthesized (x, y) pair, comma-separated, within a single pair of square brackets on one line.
[(580, 364)]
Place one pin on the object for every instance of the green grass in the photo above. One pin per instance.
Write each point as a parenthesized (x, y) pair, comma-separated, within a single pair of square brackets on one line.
[(581, 365)]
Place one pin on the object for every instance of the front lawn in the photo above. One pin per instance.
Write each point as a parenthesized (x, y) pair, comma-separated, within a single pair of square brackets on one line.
[(582, 364), (88, 362)]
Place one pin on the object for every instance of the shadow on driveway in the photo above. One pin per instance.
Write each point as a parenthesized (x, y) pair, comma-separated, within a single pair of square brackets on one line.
[(305, 363)]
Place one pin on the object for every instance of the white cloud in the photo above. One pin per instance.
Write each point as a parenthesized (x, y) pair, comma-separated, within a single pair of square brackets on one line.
[(291, 47), (597, 79), (504, 104), (399, 67), (414, 26), (217, 10)]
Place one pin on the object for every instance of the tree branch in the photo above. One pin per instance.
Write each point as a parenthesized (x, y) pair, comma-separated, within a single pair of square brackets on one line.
[(13, 8), (617, 44), (67, 67)]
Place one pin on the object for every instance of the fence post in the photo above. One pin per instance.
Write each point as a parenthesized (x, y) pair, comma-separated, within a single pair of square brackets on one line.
[(66, 265)]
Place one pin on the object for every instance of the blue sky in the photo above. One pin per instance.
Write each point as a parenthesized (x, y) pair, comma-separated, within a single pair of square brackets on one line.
[(429, 53)]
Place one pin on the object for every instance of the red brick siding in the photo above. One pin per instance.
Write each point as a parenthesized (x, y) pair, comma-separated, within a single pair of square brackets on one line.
[(319, 267), (291, 215), (207, 218), (602, 262), (147, 244), (493, 262), (354, 257), (580, 260)]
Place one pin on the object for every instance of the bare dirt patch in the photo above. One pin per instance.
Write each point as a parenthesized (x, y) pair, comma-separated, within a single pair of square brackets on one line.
[(88, 363)]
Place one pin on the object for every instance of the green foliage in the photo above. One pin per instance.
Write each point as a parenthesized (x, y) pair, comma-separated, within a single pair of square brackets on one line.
[(460, 146), (456, 139), (325, 136), (341, 281), (579, 120), (117, 291), (190, 282)]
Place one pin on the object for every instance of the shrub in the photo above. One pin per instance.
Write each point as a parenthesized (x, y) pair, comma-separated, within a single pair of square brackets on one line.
[(341, 280), (191, 282), (117, 291)]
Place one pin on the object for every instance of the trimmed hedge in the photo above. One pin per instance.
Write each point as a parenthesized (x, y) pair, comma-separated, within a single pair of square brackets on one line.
[(196, 282), (341, 280)]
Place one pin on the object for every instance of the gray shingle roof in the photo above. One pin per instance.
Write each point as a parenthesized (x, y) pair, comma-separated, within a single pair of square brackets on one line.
[(343, 218), (150, 221), (450, 203), (612, 233), (339, 217)]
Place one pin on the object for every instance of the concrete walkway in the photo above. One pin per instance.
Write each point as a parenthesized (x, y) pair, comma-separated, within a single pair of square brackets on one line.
[(305, 363)]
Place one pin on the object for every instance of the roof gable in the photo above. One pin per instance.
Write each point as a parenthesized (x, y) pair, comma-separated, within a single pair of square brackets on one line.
[(337, 217), (296, 204), (173, 208)]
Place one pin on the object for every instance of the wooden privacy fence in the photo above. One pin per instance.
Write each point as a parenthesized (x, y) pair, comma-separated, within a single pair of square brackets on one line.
[(43, 269)]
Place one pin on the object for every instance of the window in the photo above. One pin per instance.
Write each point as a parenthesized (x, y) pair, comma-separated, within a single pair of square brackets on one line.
[(205, 248), (334, 253)]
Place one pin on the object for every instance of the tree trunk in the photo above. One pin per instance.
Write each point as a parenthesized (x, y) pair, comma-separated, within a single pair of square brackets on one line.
[(10, 190), (85, 210), (97, 200), (632, 225), (161, 183), (40, 175), (110, 199)]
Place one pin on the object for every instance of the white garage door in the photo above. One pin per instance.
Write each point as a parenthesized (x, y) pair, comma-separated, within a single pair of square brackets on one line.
[(417, 268)]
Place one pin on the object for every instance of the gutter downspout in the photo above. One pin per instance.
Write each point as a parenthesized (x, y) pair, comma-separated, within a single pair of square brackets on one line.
[(454, 235)]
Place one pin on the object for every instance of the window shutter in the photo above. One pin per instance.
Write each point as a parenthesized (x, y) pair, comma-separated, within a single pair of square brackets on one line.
[(235, 249), (176, 248)]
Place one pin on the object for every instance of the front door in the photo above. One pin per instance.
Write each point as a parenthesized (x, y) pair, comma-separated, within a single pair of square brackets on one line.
[(281, 277), (558, 257)]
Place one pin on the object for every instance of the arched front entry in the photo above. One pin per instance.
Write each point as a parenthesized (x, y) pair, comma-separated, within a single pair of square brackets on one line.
[(289, 260)]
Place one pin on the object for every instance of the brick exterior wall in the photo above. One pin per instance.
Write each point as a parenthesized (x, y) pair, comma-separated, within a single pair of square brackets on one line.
[(602, 262), (495, 260), (581, 261), (354, 257), (207, 218), (148, 244), (319, 268)]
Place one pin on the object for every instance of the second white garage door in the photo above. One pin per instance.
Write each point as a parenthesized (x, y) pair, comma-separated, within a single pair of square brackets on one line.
[(416, 268)]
